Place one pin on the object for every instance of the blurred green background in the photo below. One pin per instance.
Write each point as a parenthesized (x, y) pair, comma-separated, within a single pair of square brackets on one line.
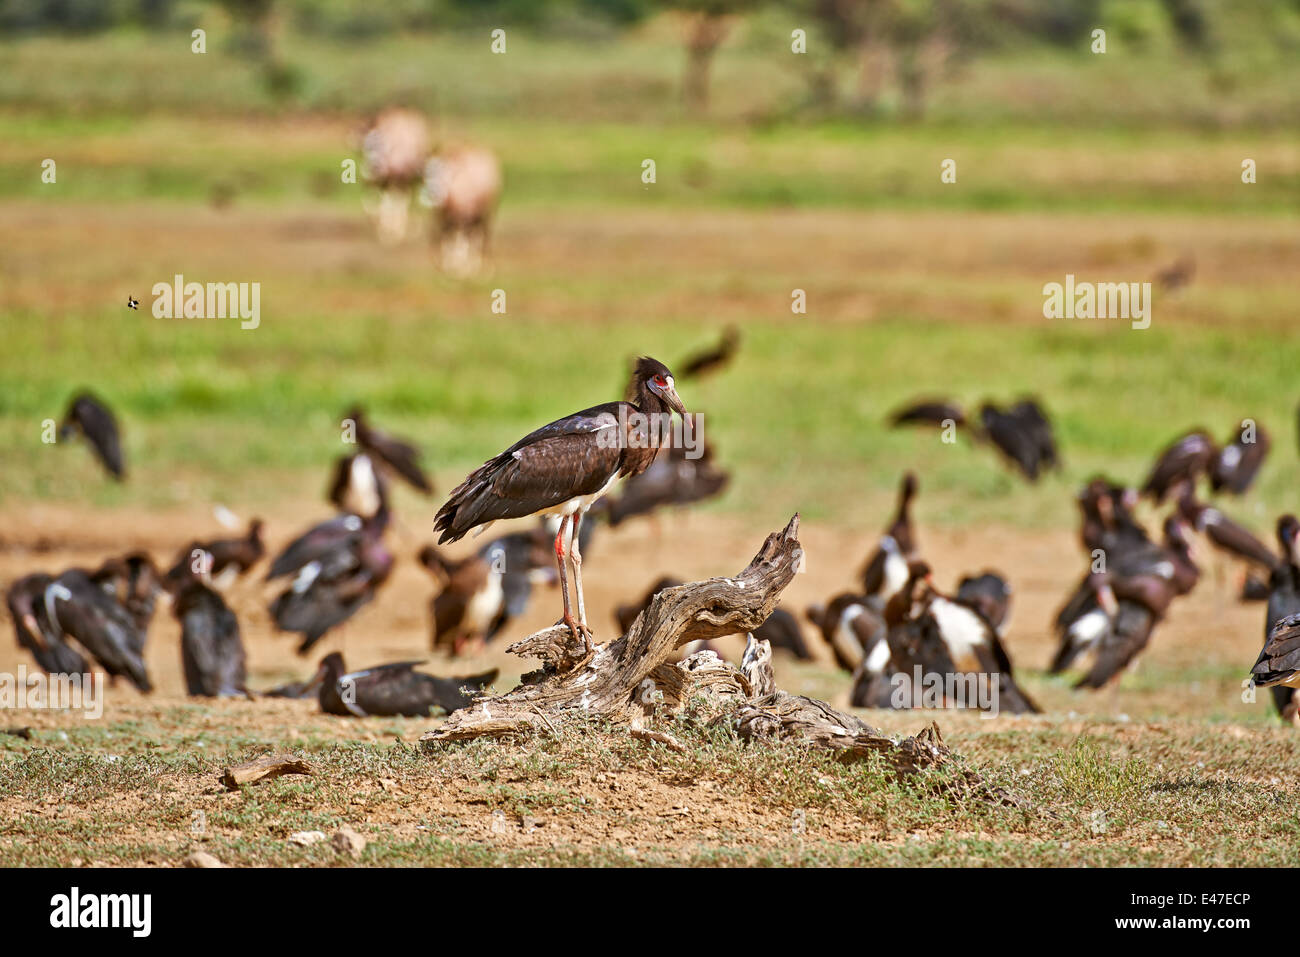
[(776, 171)]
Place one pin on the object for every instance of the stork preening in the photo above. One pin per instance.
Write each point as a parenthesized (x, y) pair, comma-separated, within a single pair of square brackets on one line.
[(463, 185), (339, 565), (566, 466), (484, 591), (1230, 468), (1113, 612), (36, 631), (1179, 465), (1022, 432), (221, 560), (955, 650), (77, 607), (95, 421), (395, 147), (212, 650)]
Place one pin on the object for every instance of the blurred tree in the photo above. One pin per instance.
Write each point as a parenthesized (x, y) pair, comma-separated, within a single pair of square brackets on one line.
[(1189, 23), (913, 39), (254, 33), (709, 23)]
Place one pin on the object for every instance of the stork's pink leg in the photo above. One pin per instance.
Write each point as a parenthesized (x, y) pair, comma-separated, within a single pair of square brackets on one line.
[(564, 579), (575, 555)]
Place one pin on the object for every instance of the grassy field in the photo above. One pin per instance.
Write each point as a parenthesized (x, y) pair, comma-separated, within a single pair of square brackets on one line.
[(1109, 168), (146, 791), (912, 284)]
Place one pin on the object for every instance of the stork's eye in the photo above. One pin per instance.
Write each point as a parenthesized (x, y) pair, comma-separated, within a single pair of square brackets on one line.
[(661, 381)]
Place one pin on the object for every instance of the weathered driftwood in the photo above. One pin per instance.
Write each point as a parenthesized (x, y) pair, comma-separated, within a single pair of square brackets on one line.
[(263, 769), (631, 680)]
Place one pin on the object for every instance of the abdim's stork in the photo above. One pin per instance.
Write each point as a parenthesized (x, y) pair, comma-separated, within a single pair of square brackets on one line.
[(93, 419), (564, 467), (1179, 465), (223, 560), (711, 360), (392, 689), (36, 631), (886, 569), (1238, 462)]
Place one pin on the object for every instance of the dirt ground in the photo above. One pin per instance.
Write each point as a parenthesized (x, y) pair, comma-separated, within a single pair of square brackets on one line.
[(611, 800), (1207, 632)]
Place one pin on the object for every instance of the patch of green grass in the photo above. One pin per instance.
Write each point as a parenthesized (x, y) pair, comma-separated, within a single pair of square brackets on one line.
[(801, 417), (1115, 795)]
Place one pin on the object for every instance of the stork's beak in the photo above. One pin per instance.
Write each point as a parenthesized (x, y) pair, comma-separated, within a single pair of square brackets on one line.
[(30, 621), (1106, 598), (669, 394)]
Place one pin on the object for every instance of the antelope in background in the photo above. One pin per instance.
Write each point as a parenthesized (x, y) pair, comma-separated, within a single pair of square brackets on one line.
[(463, 185), (395, 146)]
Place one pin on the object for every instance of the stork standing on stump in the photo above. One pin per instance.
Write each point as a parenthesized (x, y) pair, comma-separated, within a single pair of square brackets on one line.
[(564, 467)]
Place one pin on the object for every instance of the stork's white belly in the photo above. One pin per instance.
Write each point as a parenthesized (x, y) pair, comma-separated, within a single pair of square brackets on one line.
[(484, 606), (579, 503), (896, 571), (879, 657), (961, 628), (845, 639), (362, 496)]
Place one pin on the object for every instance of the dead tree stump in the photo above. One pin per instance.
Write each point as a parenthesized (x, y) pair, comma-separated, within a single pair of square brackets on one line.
[(631, 679)]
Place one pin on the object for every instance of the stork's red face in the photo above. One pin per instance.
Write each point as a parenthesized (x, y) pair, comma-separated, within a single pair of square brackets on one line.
[(662, 385)]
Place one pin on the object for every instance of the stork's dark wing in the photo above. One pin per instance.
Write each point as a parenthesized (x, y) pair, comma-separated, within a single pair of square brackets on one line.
[(928, 412), (33, 630), (324, 604), (211, 649), (1280, 659), (1014, 438), (402, 457), (1231, 537), (317, 543), (1039, 429), (1238, 462), (100, 428), (1187, 458), (988, 594), (711, 359), (339, 483), (1128, 635), (103, 627), (577, 455)]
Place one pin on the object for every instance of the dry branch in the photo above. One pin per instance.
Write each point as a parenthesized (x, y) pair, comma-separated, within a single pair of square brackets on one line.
[(632, 679), (263, 769)]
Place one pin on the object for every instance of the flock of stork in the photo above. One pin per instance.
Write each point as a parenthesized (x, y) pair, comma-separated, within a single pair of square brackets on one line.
[(892, 633)]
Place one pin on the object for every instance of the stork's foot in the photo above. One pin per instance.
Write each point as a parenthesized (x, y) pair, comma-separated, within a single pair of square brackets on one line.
[(581, 633)]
